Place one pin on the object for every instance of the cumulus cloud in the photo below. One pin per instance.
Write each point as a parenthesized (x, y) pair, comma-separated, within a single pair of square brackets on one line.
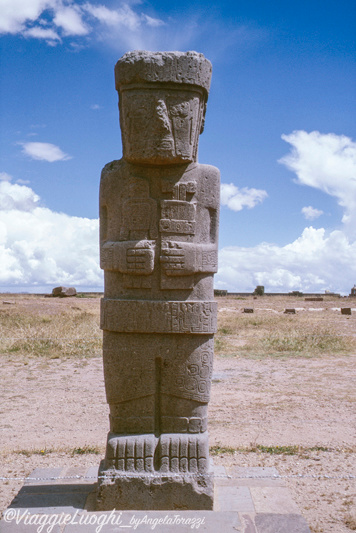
[(44, 152), (311, 213), (236, 199), (317, 260), (326, 162), (42, 248), (312, 263), (4, 176), (17, 197)]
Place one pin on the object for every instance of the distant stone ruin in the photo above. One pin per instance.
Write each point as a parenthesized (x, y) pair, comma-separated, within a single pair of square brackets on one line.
[(346, 310), (64, 292), (159, 230)]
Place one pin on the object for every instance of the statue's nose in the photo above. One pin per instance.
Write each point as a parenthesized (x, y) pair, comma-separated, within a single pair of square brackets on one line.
[(162, 119)]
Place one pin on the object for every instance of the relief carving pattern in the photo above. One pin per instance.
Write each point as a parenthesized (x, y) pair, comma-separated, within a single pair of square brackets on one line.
[(158, 249)]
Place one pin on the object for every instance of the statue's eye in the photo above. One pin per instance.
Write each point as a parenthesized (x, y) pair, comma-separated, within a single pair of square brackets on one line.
[(179, 111)]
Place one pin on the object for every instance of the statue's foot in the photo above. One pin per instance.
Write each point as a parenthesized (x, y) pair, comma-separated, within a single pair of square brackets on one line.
[(131, 453), (170, 453), (176, 452), (145, 472)]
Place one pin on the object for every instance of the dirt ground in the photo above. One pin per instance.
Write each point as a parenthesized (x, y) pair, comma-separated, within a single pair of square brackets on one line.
[(53, 409)]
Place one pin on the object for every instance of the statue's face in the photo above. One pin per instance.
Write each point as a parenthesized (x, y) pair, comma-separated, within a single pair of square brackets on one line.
[(160, 126)]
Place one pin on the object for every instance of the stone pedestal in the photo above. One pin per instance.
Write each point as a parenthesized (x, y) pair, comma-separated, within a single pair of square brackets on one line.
[(158, 246), (154, 491), (247, 500)]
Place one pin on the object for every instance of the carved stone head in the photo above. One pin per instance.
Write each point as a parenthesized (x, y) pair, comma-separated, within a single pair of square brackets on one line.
[(162, 102)]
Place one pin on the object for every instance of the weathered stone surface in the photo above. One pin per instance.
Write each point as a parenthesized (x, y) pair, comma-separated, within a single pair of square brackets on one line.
[(64, 292), (158, 248), (140, 66), (281, 523), (346, 310), (273, 500), (152, 316), (128, 491)]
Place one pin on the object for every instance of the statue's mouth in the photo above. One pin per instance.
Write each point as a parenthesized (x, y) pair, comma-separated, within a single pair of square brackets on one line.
[(166, 144)]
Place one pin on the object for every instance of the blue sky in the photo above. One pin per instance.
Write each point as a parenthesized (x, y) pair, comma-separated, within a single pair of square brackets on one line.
[(280, 126)]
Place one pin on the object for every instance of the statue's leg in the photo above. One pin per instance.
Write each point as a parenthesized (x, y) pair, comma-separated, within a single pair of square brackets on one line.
[(183, 445), (130, 389), (186, 377)]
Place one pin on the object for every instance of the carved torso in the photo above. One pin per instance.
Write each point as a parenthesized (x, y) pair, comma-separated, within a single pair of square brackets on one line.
[(159, 230)]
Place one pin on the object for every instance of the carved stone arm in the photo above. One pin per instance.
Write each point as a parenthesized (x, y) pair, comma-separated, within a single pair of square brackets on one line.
[(184, 259), (128, 257)]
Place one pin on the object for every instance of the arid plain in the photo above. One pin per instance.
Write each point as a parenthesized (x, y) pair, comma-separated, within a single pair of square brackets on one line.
[(283, 394)]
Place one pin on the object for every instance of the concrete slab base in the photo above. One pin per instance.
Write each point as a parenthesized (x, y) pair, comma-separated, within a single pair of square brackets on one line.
[(246, 500)]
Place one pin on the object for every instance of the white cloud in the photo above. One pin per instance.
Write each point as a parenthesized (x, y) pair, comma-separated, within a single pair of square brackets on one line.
[(326, 162), (17, 16), (154, 23), (311, 213), (236, 199), (44, 152), (312, 263), (124, 16), (54, 20), (317, 260), (4, 176), (47, 34), (123, 28), (69, 18), (39, 247), (95, 107), (14, 14), (19, 197)]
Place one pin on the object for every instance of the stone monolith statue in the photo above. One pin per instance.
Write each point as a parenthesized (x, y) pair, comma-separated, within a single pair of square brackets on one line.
[(158, 243)]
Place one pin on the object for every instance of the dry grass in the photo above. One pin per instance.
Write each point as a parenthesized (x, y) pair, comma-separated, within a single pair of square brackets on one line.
[(35, 326), (55, 329), (82, 450), (273, 333), (350, 520), (302, 452)]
